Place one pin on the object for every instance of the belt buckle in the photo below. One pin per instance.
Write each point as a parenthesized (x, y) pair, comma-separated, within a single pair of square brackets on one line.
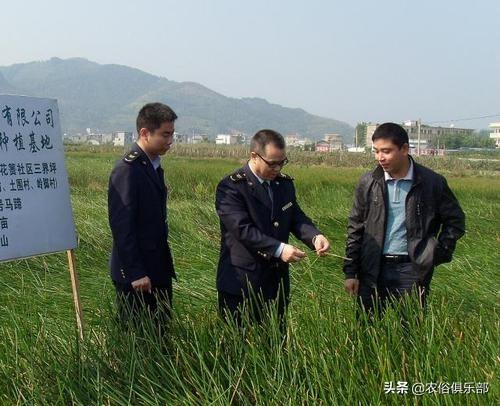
[(392, 258)]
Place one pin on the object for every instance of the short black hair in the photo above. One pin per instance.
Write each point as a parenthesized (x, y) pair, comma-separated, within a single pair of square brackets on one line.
[(393, 132), (153, 115), (264, 137)]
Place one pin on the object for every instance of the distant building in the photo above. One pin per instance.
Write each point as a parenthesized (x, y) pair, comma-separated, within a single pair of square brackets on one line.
[(77, 138), (241, 137), (93, 138), (107, 138), (99, 138), (292, 140), (370, 129), (198, 139), (335, 141), (322, 146), (329, 143), (425, 148), (427, 132), (122, 138), (227, 139), (433, 135), (181, 138), (495, 133), (301, 143), (414, 146)]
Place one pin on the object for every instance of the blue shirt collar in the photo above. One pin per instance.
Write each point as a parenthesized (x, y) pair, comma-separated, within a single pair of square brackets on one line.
[(155, 162), (408, 176)]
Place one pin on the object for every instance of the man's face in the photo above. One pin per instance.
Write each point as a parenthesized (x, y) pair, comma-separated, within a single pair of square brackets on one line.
[(391, 158), (268, 165), (159, 141)]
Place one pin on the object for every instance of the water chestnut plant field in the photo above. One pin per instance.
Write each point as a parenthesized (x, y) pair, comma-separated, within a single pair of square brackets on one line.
[(330, 357)]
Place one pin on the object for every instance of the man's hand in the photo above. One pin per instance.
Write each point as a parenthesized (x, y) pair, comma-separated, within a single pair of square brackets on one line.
[(321, 245), (142, 285), (291, 254), (351, 286)]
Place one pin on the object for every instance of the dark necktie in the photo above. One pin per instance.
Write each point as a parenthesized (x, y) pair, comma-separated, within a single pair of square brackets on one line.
[(269, 191), (159, 171)]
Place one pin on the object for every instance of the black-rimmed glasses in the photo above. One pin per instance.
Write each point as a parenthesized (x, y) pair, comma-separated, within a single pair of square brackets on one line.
[(275, 164)]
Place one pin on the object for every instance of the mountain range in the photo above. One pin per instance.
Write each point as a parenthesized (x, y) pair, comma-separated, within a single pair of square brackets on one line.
[(107, 98)]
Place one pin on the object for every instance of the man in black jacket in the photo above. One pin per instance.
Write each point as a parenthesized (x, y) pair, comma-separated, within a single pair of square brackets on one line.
[(258, 210), (141, 262), (405, 220)]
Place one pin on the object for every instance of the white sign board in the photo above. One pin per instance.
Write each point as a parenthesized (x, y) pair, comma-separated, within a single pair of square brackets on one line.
[(35, 206)]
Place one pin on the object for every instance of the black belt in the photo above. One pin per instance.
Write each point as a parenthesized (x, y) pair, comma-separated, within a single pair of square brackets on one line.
[(396, 259)]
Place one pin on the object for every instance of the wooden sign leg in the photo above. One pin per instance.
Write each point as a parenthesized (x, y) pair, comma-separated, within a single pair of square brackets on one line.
[(75, 286)]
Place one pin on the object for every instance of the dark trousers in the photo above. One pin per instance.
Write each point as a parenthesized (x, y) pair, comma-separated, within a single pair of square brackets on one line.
[(135, 306), (254, 307), (395, 282)]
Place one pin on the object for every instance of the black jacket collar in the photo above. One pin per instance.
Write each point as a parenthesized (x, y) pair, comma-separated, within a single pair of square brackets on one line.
[(148, 167)]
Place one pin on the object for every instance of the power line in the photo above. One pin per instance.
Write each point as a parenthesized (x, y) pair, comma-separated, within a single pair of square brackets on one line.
[(464, 119)]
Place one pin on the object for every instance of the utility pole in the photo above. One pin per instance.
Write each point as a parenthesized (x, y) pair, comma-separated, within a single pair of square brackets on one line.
[(418, 136)]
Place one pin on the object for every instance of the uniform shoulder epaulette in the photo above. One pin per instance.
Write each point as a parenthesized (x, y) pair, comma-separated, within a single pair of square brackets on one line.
[(131, 156), (284, 176), (238, 176)]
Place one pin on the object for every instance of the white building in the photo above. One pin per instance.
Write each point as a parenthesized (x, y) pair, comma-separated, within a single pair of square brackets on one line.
[(335, 141), (495, 133), (292, 140), (180, 138), (226, 139), (107, 138), (302, 142), (99, 138), (198, 139), (122, 138), (78, 138)]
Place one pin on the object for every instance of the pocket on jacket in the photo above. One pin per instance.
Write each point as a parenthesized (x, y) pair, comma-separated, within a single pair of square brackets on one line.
[(424, 253), (441, 256)]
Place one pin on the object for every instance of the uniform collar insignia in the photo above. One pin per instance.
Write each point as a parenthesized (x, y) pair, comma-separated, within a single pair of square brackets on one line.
[(238, 176), (284, 176), (131, 156)]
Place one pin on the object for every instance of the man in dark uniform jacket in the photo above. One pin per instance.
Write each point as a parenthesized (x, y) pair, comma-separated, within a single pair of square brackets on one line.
[(141, 262), (258, 209)]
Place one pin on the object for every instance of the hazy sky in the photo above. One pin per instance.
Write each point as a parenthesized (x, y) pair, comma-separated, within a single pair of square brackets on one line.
[(349, 60)]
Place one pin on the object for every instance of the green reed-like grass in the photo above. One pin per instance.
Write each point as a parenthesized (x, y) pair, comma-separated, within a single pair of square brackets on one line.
[(330, 356)]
